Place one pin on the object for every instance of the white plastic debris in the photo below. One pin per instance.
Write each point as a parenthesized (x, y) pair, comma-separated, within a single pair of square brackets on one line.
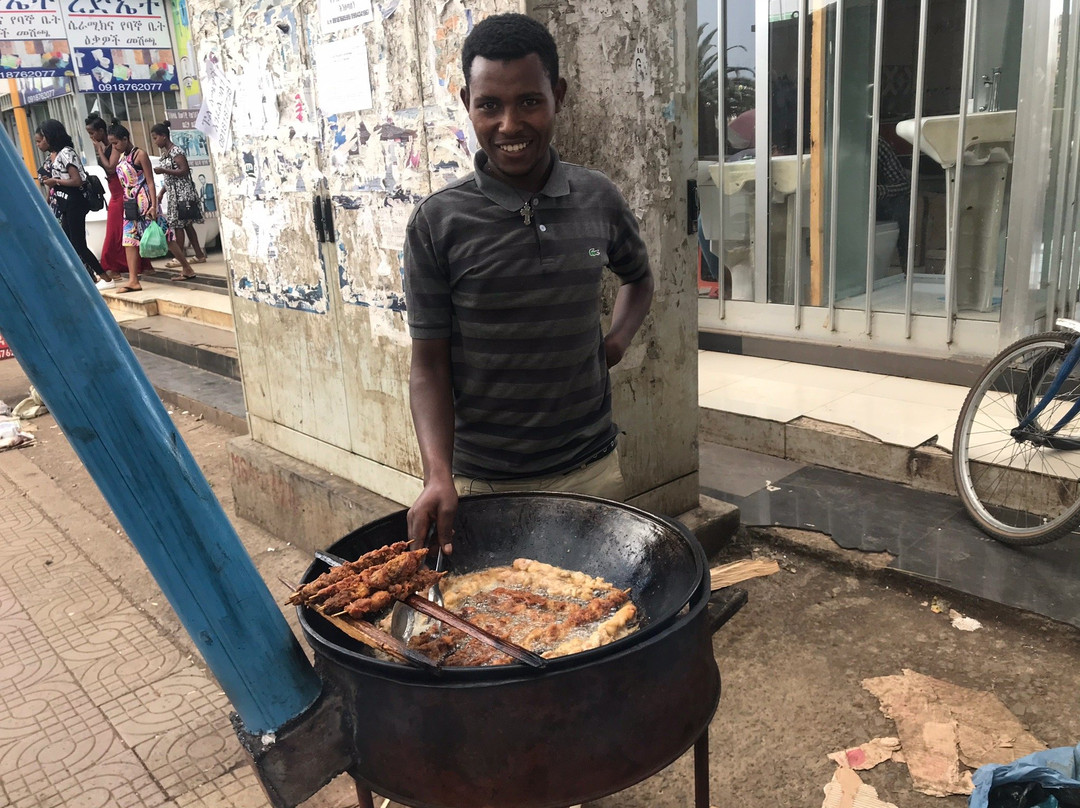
[(963, 623)]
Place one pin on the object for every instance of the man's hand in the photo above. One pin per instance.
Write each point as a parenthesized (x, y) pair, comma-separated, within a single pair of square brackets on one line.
[(436, 506)]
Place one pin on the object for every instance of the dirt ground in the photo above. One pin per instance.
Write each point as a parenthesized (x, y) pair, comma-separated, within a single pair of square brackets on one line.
[(792, 660)]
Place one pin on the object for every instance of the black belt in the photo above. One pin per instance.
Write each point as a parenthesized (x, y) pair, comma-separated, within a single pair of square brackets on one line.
[(599, 454)]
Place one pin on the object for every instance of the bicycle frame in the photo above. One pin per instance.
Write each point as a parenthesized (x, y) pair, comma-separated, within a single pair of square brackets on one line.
[(1020, 432)]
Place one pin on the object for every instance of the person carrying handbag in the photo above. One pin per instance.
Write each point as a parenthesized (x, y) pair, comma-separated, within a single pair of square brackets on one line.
[(140, 205), (113, 258), (63, 175), (182, 208)]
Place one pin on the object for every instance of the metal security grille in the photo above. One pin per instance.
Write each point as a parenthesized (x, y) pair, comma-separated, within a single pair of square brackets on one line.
[(138, 111), (987, 247)]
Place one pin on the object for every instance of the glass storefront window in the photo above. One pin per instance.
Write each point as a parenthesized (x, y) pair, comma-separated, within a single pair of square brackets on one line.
[(889, 127)]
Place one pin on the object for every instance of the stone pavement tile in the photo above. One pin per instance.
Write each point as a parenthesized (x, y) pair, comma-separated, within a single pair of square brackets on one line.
[(236, 788), (240, 789), (187, 698), (118, 654), (116, 781), (25, 655), (184, 758), (63, 595), (26, 533)]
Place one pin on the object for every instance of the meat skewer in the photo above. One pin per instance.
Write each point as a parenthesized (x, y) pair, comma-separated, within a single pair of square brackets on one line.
[(402, 578)]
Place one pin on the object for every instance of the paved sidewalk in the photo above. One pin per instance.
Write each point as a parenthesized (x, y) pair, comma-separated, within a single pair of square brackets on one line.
[(100, 705)]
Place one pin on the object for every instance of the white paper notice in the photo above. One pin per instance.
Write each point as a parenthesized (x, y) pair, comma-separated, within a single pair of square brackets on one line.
[(335, 15), (215, 115), (342, 81)]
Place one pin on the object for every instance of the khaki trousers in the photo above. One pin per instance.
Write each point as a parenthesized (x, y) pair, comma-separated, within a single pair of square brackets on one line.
[(602, 478)]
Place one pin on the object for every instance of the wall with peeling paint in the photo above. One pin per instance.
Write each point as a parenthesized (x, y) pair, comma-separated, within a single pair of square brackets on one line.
[(629, 113), (324, 348)]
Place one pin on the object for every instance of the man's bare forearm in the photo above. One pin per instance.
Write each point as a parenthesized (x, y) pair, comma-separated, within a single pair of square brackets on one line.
[(431, 401), (631, 305)]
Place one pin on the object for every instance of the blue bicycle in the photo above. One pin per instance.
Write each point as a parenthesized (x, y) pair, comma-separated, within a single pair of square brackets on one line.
[(1016, 452)]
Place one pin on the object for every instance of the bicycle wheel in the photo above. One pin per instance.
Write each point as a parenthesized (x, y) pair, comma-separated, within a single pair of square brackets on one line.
[(1021, 486)]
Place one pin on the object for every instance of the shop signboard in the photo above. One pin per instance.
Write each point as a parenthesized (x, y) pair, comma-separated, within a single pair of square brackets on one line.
[(37, 91), (121, 46), (185, 52), (33, 41)]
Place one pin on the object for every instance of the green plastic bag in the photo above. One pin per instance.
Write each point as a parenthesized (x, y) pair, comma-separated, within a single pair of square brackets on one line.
[(153, 243)]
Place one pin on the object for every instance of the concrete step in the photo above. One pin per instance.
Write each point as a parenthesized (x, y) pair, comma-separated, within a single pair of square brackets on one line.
[(208, 306), (214, 397), (927, 467), (195, 344)]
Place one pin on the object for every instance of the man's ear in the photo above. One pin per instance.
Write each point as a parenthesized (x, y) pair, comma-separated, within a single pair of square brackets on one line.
[(465, 97), (559, 90)]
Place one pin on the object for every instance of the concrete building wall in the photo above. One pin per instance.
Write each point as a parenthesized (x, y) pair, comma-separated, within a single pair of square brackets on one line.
[(323, 343), (630, 113)]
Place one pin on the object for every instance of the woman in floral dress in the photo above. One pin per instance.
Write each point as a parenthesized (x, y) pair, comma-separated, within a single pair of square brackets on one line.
[(133, 169), (182, 208), (113, 259)]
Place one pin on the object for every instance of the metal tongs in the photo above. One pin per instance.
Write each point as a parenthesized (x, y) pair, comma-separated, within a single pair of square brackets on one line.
[(403, 618), (434, 608)]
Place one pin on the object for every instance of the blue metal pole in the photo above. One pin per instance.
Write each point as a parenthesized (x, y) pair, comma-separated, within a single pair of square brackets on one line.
[(75, 355)]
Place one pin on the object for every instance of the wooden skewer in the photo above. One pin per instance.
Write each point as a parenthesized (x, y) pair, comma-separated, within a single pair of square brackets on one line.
[(512, 649), (379, 640), (425, 606)]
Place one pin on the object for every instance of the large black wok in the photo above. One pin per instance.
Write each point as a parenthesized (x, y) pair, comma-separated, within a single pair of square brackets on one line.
[(589, 724)]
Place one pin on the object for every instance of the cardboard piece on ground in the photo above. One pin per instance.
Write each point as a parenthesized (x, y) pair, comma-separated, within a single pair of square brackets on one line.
[(869, 754), (947, 730), (738, 571), (847, 790)]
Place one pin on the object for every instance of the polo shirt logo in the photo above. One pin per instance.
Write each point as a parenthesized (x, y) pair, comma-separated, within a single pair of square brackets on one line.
[(593, 252)]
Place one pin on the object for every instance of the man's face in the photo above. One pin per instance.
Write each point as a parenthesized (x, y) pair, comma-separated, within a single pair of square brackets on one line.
[(512, 106)]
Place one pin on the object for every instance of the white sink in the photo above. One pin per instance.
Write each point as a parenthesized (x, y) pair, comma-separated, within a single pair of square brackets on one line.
[(783, 170), (988, 137)]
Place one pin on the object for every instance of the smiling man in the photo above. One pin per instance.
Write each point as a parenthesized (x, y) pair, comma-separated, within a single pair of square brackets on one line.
[(509, 380)]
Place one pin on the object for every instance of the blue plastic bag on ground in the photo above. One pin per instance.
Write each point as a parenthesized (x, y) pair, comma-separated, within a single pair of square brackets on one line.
[(1054, 768), (152, 243)]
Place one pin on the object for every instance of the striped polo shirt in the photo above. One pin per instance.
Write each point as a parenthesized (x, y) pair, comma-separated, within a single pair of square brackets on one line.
[(520, 303)]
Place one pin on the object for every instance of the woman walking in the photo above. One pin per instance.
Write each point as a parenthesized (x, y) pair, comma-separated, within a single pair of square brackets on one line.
[(182, 208), (140, 204), (113, 258), (62, 173)]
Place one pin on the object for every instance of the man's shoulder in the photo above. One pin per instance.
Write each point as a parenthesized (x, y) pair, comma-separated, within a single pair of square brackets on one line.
[(448, 198), (586, 180)]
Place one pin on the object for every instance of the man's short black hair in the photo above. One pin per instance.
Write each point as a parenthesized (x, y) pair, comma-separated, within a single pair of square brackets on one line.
[(505, 37)]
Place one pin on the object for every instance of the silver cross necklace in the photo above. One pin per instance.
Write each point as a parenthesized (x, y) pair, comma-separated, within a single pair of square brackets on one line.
[(526, 210)]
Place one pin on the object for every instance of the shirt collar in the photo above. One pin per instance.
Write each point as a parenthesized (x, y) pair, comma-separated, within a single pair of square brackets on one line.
[(511, 198)]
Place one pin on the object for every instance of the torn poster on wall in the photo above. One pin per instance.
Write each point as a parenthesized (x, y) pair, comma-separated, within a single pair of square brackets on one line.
[(215, 115), (342, 80), (336, 15)]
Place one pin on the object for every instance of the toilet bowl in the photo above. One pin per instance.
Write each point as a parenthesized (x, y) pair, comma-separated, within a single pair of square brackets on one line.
[(886, 234)]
